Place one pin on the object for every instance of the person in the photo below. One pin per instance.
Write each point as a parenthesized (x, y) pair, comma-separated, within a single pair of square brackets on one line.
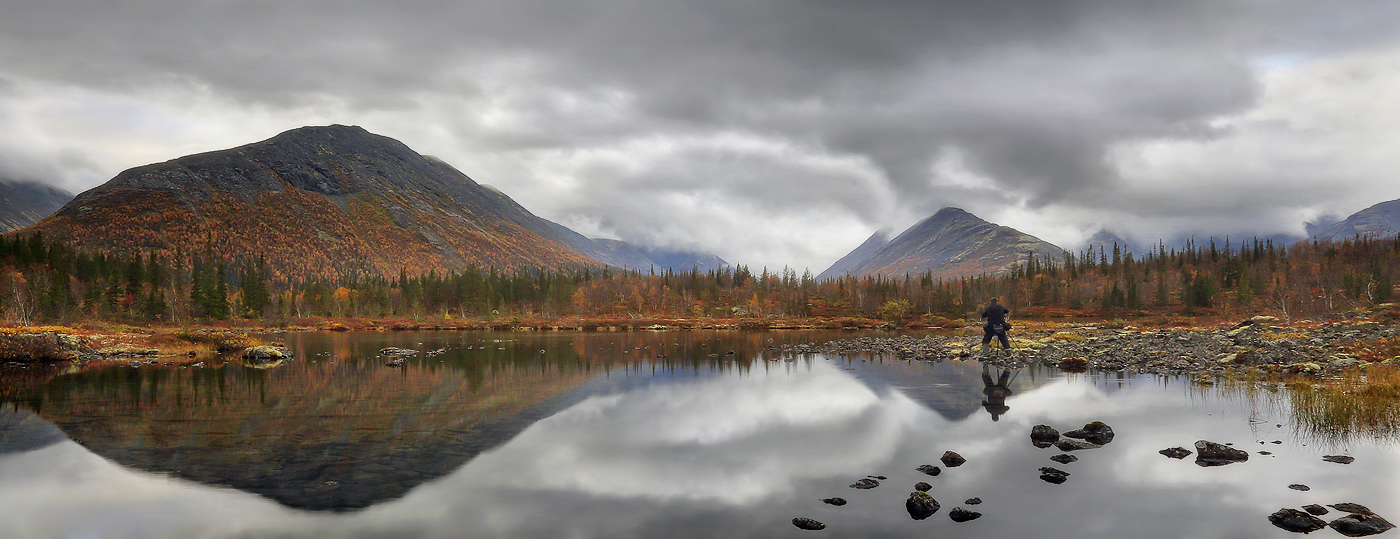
[(996, 326), (996, 392)]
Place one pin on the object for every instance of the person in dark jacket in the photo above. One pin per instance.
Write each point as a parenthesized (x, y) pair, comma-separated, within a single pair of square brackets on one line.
[(996, 326)]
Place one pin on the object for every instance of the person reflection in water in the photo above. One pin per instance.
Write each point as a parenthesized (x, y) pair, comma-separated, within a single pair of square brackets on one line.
[(996, 392)]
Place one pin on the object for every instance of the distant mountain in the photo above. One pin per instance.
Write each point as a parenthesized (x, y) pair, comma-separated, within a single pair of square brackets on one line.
[(1376, 221), (953, 243), (319, 202), (1106, 240), (25, 203), (682, 260), (854, 258)]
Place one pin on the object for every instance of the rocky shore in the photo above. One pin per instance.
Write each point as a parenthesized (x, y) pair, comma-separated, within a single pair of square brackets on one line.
[(1260, 343)]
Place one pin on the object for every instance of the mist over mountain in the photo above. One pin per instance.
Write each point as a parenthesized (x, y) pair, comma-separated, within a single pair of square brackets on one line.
[(952, 243), (1376, 221), (319, 202), (25, 203)]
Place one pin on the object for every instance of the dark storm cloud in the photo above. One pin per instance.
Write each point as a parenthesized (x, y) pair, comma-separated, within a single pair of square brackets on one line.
[(781, 107)]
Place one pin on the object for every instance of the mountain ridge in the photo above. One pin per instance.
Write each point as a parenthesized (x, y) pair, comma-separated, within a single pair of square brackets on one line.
[(949, 244)]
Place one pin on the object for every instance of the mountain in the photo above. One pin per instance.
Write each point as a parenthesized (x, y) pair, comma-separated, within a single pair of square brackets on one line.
[(682, 260), (320, 202), (1106, 240), (619, 253), (953, 243), (1376, 221), (849, 262), (25, 203)]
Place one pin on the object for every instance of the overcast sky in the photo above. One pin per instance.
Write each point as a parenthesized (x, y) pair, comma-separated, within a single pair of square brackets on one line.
[(770, 132)]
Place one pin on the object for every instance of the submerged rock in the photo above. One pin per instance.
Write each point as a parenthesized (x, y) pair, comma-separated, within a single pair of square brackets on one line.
[(1339, 459), (959, 514), (1297, 486), (973, 501), (1052, 475), (1214, 454), (865, 484), (930, 469), (1360, 525), (920, 505), (1075, 445), (808, 524), (1064, 458), (834, 501), (392, 351), (952, 459), (1351, 508), (922, 486), (1296, 521), (1176, 452)]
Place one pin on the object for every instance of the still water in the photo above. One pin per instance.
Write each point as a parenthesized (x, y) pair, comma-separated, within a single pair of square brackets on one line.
[(648, 434)]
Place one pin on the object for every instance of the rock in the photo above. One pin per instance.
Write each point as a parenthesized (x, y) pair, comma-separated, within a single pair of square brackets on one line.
[(1360, 525), (392, 351), (865, 484), (1052, 475), (920, 505), (1339, 459), (877, 477), (1315, 509), (952, 460), (959, 514), (922, 486), (1044, 434), (1344, 363), (1064, 458), (1296, 521), (1297, 486), (973, 501), (805, 523), (1074, 445), (1214, 454), (834, 501), (266, 352), (1176, 452), (1096, 432), (930, 469), (1351, 508), (396, 362)]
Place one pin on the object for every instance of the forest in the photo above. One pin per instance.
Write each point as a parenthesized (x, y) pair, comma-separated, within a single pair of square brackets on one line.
[(51, 282)]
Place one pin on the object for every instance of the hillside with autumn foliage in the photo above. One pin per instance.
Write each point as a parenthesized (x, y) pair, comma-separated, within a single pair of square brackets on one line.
[(319, 203)]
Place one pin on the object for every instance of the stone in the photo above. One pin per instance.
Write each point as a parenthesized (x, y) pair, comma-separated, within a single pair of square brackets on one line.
[(973, 501), (1296, 521), (1360, 525), (864, 484), (920, 505), (805, 523), (834, 501), (1315, 509), (1297, 486), (392, 351), (1339, 459), (1052, 475), (1214, 454), (959, 514), (952, 459), (1351, 508), (1044, 433), (269, 353), (1075, 445), (1176, 452), (1097, 432), (922, 486), (1064, 458), (929, 469)]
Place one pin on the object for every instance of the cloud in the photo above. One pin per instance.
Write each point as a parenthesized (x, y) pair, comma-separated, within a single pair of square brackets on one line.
[(743, 128)]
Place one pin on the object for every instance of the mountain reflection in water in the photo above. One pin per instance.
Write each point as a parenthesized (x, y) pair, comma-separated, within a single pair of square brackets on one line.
[(707, 447)]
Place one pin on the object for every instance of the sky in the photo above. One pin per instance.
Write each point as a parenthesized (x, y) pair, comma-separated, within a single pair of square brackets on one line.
[(773, 132)]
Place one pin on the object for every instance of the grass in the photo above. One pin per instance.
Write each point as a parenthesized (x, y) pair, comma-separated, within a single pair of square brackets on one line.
[(1362, 403)]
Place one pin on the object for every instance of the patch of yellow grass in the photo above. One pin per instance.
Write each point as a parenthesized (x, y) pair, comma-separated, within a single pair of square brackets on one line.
[(1067, 336), (1281, 336)]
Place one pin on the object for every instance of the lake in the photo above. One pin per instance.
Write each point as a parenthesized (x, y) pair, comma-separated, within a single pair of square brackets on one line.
[(644, 434)]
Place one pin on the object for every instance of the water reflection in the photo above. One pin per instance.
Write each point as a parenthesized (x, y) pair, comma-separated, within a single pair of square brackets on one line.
[(996, 392), (671, 447)]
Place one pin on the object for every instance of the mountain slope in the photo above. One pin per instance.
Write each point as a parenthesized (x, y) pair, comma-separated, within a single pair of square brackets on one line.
[(25, 203), (1376, 221), (320, 202), (953, 243), (860, 254)]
